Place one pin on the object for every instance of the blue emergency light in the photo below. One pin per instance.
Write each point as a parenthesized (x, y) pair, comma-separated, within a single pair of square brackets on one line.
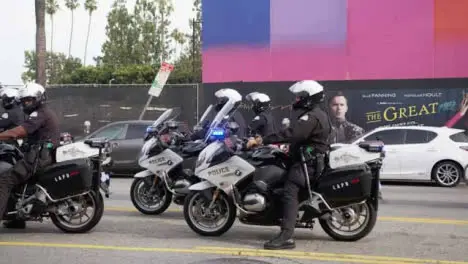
[(217, 134)]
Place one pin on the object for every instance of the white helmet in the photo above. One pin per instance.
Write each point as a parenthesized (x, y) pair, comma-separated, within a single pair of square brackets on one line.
[(309, 93), (225, 95), (308, 86), (9, 97), (9, 92), (257, 97), (260, 101), (31, 96)]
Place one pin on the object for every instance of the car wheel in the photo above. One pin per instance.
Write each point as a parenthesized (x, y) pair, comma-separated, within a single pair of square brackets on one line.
[(447, 174)]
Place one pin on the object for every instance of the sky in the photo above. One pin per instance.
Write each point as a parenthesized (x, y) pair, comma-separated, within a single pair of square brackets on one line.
[(18, 32)]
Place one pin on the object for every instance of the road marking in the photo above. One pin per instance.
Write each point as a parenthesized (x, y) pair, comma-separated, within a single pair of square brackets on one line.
[(380, 218), (248, 252), (336, 255)]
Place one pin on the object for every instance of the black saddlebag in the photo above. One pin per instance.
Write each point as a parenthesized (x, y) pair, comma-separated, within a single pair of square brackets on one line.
[(66, 178), (345, 185)]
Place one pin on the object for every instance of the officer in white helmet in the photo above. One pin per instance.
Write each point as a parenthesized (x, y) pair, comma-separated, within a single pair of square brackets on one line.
[(263, 124), (222, 97), (310, 134), (13, 115), (41, 133)]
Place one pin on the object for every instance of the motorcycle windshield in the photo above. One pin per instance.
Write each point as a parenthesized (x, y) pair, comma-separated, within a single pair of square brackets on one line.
[(169, 114), (222, 117), (205, 114)]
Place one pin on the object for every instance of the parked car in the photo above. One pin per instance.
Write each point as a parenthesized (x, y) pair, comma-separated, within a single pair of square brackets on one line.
[(126, 139), (438, 154)]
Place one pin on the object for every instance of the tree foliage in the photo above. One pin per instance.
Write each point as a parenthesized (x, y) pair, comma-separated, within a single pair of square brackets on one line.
[(138, 40), (57, 66)]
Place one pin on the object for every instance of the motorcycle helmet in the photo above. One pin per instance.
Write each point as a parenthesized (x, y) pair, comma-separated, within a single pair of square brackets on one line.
[(32, 96), (224, 95), (308, 94), (9, 97), (260, 102)]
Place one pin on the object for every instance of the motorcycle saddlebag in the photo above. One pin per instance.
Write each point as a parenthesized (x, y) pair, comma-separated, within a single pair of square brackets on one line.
[(345, 185), (66, 178)]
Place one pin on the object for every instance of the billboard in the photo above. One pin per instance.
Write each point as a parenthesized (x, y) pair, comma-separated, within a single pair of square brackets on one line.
[(284, 40), (355, 111)]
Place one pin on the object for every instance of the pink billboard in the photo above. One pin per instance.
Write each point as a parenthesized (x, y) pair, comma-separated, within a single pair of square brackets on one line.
[(286, 40)]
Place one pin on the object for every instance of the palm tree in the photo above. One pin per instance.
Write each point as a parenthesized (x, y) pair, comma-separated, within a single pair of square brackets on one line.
[(72, 5), (90, 6), (52, 7), (40, 9)]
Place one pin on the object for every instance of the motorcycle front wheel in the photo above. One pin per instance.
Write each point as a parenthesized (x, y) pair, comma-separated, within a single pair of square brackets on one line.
[(150, 201), (207, 221), (350, 223), (73, 216)]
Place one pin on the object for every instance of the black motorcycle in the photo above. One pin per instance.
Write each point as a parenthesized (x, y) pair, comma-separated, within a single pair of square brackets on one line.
[(67, 192)]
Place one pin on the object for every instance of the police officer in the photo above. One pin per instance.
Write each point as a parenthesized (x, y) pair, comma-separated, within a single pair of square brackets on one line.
[(222, 97), (312, 131), (13, 115), (263, 123), (41, 132)]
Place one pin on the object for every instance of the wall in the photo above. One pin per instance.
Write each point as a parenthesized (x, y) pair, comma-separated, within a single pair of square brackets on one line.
[(285, 40), (370, 103), (101, 104)]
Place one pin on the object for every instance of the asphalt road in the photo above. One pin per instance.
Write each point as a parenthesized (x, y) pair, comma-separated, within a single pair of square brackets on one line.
[(417, 224)]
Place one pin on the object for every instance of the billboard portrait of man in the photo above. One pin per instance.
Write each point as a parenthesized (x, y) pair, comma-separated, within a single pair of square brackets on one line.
[(343, 130)]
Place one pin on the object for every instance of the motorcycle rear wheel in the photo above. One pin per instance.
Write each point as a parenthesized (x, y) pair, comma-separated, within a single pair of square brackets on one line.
[(95, 200), (349, 216)]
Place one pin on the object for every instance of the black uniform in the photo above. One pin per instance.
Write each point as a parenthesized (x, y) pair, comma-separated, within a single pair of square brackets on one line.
[(239, 119), (312, 129), (41, 126), (263, 124), (11, 118)]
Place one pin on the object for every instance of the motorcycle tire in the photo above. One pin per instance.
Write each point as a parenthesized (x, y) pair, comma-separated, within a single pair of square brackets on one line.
[(159, 210), (324, 223), (99, 211), (231, 215)]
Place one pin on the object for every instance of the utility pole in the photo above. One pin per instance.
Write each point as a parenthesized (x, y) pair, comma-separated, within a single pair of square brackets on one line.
[(193, 47)]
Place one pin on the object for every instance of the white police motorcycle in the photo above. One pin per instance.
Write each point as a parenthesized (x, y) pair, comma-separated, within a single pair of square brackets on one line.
[(169, 165), (344, 198)]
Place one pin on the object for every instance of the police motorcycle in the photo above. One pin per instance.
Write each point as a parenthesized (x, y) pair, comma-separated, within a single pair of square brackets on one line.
[(67, 191), (344, 197), (169, 161)]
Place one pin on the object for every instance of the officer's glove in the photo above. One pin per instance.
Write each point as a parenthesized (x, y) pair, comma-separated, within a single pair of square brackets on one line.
[(251, 143), (259, 140)]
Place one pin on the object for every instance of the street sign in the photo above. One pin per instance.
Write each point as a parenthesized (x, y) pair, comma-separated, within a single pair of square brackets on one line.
[(160, 79)]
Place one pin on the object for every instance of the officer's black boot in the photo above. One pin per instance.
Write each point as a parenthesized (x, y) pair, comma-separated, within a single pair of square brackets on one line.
[(15, 224), (284, 240)]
